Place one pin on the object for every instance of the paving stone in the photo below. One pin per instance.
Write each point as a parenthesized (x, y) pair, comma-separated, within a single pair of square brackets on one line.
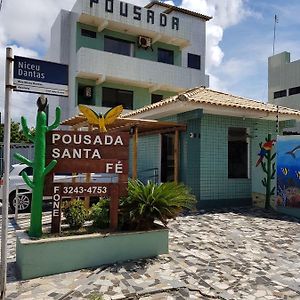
[(242, 253)]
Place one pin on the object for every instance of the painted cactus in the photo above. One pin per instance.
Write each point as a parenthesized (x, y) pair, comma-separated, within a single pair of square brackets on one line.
[(268, 167), (40, 170)]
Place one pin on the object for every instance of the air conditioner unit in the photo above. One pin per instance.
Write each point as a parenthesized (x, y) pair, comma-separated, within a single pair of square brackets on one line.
[(145, 42)]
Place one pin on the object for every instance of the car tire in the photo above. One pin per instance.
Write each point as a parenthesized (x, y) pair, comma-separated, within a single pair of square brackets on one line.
[(24, 202)]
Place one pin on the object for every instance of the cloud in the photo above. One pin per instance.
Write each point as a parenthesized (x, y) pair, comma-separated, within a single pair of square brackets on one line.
[(225, 13), (32, 20), (30, 34)]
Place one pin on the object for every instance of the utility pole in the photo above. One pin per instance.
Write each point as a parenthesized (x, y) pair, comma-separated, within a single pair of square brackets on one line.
[(274, 37)]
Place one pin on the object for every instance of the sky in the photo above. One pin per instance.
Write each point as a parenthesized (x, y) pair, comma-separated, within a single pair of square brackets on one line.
[(239, 41)]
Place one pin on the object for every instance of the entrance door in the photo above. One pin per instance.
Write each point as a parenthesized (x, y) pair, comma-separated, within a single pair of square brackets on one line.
[(167, 157)]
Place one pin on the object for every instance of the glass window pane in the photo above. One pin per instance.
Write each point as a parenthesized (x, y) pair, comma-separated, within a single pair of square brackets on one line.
[(165, 56), (156, 98), (113, 97), (294, 91), (280, 94), (237, 153), (194, 61), (118, 46), (28, 170), (88, 33)]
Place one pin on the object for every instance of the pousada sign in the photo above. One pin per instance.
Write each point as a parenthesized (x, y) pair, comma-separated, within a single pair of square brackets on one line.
[(137, 13), (87, 152)]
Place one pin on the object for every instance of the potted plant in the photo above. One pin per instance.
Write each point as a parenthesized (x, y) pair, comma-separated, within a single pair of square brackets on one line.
[(147, 203), (140, 234)]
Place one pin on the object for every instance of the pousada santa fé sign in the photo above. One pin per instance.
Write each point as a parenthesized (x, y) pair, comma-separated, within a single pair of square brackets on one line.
[(87, 152)]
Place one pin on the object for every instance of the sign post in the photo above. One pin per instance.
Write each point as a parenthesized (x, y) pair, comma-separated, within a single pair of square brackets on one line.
[(31, 76), (8, 92), (87, 152)]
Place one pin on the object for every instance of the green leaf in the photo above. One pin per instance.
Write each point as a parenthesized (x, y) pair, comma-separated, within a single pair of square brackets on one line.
[(148, 202)]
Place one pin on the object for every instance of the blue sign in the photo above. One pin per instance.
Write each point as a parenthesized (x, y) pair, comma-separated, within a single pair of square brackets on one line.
[(42, 77)]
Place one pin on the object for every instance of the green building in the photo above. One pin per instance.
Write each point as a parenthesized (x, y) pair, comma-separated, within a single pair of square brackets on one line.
[(219, 149)]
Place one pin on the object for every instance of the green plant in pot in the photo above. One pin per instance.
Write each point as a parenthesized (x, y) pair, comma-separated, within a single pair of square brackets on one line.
[(146, 203)]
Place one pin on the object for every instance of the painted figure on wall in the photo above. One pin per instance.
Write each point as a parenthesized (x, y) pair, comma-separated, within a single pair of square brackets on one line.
[(266, 160), (288, 171)]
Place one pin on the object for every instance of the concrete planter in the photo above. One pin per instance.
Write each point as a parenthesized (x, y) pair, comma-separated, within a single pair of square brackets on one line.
[(37, 258)]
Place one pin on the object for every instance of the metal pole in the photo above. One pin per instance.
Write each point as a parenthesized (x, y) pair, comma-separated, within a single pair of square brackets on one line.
[(274, 37), (8, 93)]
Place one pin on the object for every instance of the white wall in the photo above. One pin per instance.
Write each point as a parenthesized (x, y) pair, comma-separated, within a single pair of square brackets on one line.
[(283, 75), (63, 49)]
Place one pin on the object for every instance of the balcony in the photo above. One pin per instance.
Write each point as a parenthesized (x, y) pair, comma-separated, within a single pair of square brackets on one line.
[(105, 66)]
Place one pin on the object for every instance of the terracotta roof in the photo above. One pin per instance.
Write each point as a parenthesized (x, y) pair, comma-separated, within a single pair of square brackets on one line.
[(214, 98), (171, 8)]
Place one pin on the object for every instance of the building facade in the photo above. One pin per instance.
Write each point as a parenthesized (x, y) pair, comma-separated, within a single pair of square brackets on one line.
[(284, 80), (219, 149), (119, 53)]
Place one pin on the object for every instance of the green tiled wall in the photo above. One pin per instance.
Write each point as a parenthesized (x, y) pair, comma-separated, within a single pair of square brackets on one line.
[(214, 181), (148, 156), (203, 157)]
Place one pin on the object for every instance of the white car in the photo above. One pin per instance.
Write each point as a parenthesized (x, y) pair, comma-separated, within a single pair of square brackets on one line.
[(24, 192)]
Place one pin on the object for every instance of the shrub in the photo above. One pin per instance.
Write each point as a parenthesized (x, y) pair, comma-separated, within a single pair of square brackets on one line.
[(75, 213), (99, 214), (147, 203)]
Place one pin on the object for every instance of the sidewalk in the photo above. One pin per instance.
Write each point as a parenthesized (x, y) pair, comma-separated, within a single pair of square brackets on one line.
[(237, 254)]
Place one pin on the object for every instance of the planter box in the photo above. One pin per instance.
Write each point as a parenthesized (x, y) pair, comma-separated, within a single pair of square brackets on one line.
[(42, 257)]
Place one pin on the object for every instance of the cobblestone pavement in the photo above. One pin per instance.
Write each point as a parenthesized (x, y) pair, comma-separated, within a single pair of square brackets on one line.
[(229, 254)]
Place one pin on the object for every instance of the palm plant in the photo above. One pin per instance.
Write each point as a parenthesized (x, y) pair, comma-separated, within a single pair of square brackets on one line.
[(146, 203)]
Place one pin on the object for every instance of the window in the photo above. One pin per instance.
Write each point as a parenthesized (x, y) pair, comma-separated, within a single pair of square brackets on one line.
[(88, 33), (294, 91), (280, 94), (194, 61), (237, 153), (114, 97), (28, 170), (86, 95), (118, 46), (165, 56), (156, 98)]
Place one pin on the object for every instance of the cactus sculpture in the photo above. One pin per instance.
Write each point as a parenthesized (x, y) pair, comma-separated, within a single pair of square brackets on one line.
[(268, 167), (38, 164)]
